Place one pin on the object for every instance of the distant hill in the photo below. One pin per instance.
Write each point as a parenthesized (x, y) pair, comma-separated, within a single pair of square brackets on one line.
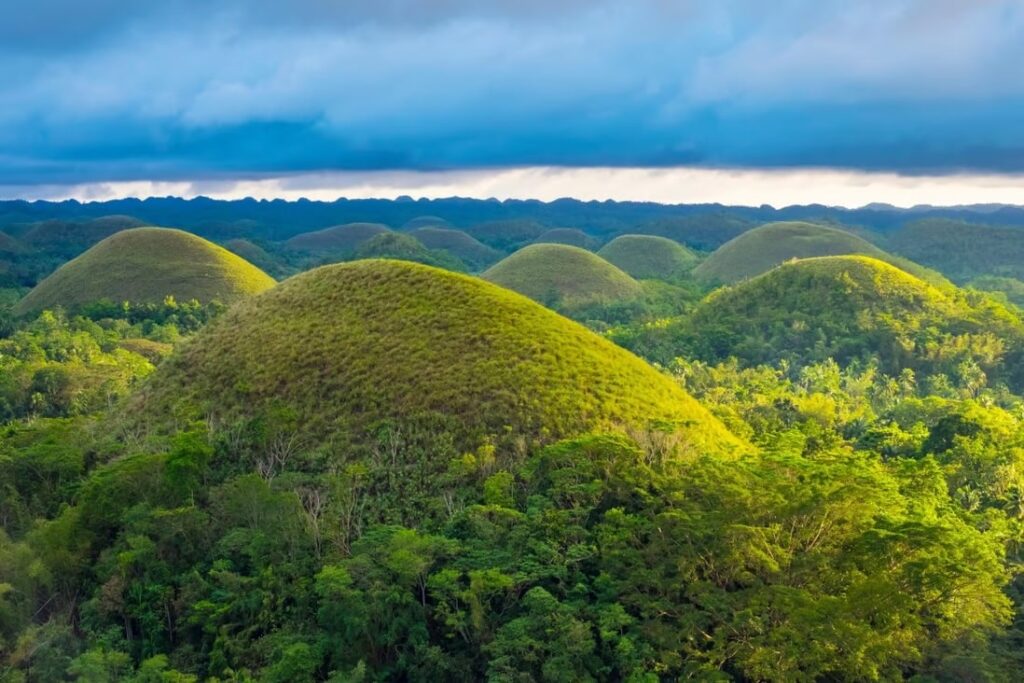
[(571, 236), (9, 245), (506, 235), (253, 253), (464, 246), (403, 247), (70, 238), (145, 265), (961, 250), (648, 256), (559, 274), (705, 231), (349, 345), (761, 249), (340, 239), (1011, 288), (846, 308), (426, 222)]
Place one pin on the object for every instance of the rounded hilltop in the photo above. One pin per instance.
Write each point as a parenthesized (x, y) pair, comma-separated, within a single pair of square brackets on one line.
[(559, 274), (843, 307), (648, 256), (341, 239), (463, 246), (348, 345), (146, 265), (571, 236), (761, 249)]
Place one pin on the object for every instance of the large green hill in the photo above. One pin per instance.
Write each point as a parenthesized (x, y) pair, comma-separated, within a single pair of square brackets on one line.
[(761, 249), (348, 345), (145, 265), (559, 274), (648, 256), (462, 245), (339, 239), (849, 307)]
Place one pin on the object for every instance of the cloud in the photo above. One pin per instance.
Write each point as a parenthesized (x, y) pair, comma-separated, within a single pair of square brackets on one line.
[(186, 89)]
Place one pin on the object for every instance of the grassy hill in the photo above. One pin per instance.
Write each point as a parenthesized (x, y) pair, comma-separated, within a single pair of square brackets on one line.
[(396, 245), (70, 238), (348, 345), (463, 246), (961, 250), (571, 236), (705, 231), (426, 222), (761, 249), (648, 257), (253, 253), (559, 274), (850, 307), (9, 245), (339, 239), (145, 265), (507, 235)]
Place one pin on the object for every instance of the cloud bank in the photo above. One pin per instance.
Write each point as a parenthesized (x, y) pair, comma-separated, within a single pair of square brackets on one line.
[(183, 90)]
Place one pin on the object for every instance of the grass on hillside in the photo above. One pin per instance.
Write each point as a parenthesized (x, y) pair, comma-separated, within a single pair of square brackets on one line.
[(462, 245), (347, 345), (562, 275), (571, 236), (339, 239), (761, 249), (649, 257), (146, 265), (961, 250), (850, 307)]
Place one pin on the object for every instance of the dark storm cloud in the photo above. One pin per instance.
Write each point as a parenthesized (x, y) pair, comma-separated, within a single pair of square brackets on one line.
[(186, 89)]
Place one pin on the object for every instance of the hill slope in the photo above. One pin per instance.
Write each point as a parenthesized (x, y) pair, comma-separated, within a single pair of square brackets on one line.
[(145, 265), (761, 249), (350, 344), (462, 245), (338, 239), (571, 236), (562, 274), (962, 250), (847, 307), (648, 256)]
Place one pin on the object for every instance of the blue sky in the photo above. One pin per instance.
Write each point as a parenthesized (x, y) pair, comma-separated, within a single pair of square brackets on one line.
[(190, 91)]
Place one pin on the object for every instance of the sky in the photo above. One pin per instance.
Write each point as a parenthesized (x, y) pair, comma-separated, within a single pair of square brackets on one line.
[(739, 101)]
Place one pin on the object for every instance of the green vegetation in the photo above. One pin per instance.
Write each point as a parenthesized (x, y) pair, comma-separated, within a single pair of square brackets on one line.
[(1011, 288), (147, 265), (379, 470), (9, 245), (393, 245), (463, 246), (340, 239), (426, 222), (507, 235), (961, 250), (846, 308), (560, 275), (649, 257), (761, 249), (571, 236), (347, 346), (254, 254)]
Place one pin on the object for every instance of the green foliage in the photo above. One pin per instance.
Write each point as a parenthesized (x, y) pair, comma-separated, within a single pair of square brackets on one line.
[(961, 250), (758, 251), (393, 245), (337, 240), (147, 265), (846, 308), (463, 246), (573, 237), (646, 257), (560, 275)]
